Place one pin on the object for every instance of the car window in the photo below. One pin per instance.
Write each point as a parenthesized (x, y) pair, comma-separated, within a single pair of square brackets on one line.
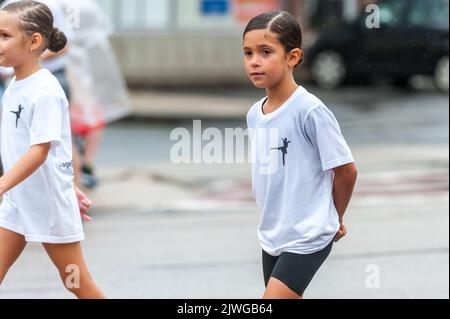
[(391, 12), (429, 13)]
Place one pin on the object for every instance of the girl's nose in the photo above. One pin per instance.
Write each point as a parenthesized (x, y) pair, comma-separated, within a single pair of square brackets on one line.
[(255, 61)]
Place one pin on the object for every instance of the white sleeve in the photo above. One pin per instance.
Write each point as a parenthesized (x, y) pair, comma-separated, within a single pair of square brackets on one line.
[(324, 133), (47, 119)]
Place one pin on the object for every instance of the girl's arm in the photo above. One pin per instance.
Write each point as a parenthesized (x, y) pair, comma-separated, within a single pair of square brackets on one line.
[(343, 186), (25, 167), (48, 55)]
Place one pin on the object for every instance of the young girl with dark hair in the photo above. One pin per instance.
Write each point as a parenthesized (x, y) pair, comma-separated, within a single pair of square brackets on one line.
[(304, 175), (40, 202)]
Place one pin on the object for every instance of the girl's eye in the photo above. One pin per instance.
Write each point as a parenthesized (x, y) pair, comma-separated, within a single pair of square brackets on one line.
[(247, 53), (267, 52)]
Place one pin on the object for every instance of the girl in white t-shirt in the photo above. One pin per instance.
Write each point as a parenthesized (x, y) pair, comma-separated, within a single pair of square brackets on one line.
[(40, 202), (303, 171)]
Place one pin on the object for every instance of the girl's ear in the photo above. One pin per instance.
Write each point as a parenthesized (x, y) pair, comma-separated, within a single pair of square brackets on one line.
[(37, 41), (294, 57)]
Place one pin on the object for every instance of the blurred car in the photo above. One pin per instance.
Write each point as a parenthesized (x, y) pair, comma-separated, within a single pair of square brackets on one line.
[(412, 39)]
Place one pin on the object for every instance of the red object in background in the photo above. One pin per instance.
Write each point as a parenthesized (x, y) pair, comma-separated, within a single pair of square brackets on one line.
[(81, 125), (244, 10)]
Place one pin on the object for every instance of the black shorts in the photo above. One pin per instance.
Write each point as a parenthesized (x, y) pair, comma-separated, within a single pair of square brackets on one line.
[(294, 270)]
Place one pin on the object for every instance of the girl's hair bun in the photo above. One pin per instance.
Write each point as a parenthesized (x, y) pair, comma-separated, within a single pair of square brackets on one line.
[(58, 41)]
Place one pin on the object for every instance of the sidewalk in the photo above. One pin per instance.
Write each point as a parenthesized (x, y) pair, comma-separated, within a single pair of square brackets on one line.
[(234, 103)]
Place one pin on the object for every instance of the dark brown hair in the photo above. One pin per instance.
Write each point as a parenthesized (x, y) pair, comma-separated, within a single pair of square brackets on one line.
[(36, 17), (284, 25)]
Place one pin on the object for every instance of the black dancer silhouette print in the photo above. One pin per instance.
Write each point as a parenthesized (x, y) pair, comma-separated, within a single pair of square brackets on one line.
[(283, 149), (17, 114)]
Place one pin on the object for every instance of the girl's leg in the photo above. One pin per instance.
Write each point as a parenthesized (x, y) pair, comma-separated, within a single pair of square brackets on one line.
[(68, 258), (275, 289), (92, 144), (11, 246), (278, 290), (296, 272)]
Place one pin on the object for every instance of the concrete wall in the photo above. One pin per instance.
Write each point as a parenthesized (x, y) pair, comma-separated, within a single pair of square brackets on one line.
[(189, 58), (190, 48)]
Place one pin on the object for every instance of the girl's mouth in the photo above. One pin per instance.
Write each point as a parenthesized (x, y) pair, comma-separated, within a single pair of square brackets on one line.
[(257, 74)]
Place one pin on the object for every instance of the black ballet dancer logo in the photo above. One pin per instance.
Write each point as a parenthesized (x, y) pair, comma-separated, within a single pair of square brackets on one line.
[(283, 149), (18, 113)]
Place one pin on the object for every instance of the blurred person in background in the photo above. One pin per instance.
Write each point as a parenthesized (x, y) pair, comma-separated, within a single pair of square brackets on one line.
[(99, 94)]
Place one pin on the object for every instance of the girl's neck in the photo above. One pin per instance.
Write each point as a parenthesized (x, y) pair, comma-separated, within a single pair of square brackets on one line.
[(277, 95), (25, 70)]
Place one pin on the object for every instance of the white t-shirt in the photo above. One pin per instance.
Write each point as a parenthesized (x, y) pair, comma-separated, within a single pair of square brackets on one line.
[(44, 207), (294, 151)]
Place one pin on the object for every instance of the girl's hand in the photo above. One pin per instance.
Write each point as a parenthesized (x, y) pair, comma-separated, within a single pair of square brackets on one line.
[(84, 204), (341, 232)]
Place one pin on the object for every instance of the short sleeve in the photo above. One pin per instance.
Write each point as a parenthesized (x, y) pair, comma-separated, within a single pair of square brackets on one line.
[(46, 122), (323, 131)]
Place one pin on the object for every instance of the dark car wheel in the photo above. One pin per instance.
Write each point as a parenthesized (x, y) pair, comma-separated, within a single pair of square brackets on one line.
[(441, 74), (328, 69)]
